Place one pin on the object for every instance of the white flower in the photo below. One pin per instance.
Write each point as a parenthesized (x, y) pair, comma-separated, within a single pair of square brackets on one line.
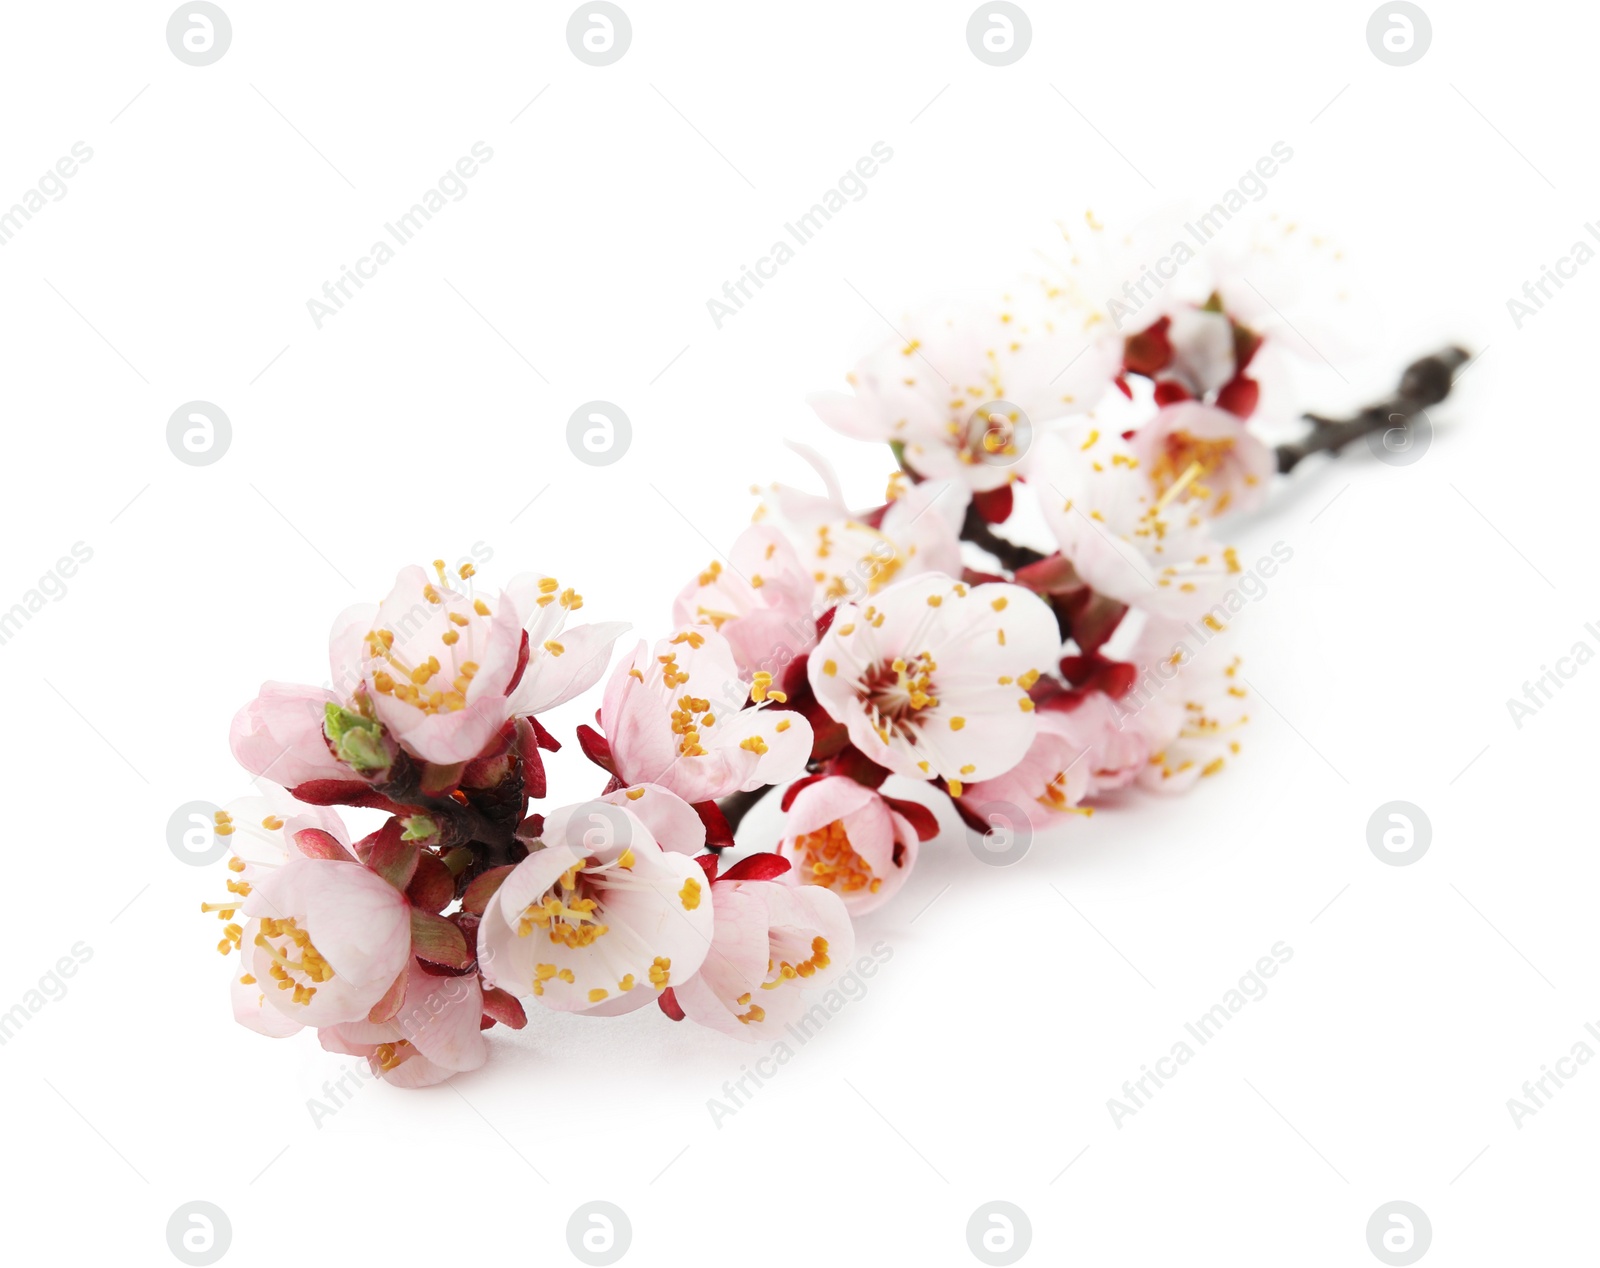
[(601, 919), (774, 940), (931, 678), (1151, 549), (675, 716), (850, 554), (962, 391), (1191, 703)]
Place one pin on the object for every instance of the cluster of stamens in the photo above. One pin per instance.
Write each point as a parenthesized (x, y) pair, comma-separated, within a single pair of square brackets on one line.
[(896, 692), (565, 914), (310, 965), (233, 934), (1191, 459), (415, 685), (833, 861)]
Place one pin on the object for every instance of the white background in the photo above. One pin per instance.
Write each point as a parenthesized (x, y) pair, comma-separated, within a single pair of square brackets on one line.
[(427, 415)]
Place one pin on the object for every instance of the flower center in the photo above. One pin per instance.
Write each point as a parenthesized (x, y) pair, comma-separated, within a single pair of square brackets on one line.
[(832, 861), (566, 912), (283, 940), (1179, 452), (991, 434), (895, 693)]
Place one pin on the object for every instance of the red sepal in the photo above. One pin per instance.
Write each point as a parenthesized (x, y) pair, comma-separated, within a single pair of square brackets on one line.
[(432, 886), (596, 748), (503, 1008), (827, 735), (1122, 385), (1246, 343), (1095, 672), (669, 1004), (439, 941), (874, 517), (392, 858), (483, 888), (852, 763), (793, 791), (342, 792), (719, 835), (1148, 352), (917, 815), (1094, 619), (533, 777), (1170, 392), (543, 738), (994, 505), (1239, 396), (522, 663), (708, 864), (1054, 574), (757, 867)]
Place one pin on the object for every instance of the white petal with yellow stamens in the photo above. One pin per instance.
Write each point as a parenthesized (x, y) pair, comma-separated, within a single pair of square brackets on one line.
[(599, 920), (775, 940), (929, 676), (337, 934), (1150, 549)]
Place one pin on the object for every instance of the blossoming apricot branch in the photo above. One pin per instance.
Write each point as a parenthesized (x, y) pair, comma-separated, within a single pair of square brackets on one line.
[(831, 651)]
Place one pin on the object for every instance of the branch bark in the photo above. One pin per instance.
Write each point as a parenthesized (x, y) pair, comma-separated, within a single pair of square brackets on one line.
[(735, 806), (1008, 554), (1425, 382)]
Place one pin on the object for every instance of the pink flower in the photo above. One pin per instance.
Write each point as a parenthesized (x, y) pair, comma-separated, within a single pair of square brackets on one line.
[(326, 941), (600, 919), (1189, 705), (278, 736), (671, 821), (444, 667), (761, 602), (932, 677), (436, 663), (1202, 349), (850, 554), (846, 838), (269, 829), (963, 392), (1049, 781), (1209, 456), (774, 940), (264, 833), (1077, 754), (675, 717), (1149, 549), (1116, 752), (562, 662), (434, 1034)]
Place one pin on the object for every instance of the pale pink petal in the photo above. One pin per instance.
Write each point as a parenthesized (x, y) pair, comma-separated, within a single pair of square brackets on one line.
[(278, 735)]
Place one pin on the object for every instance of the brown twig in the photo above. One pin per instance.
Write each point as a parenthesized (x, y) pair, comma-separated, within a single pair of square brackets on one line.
[(1011, 556), (735, 806), (1424, 383)]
